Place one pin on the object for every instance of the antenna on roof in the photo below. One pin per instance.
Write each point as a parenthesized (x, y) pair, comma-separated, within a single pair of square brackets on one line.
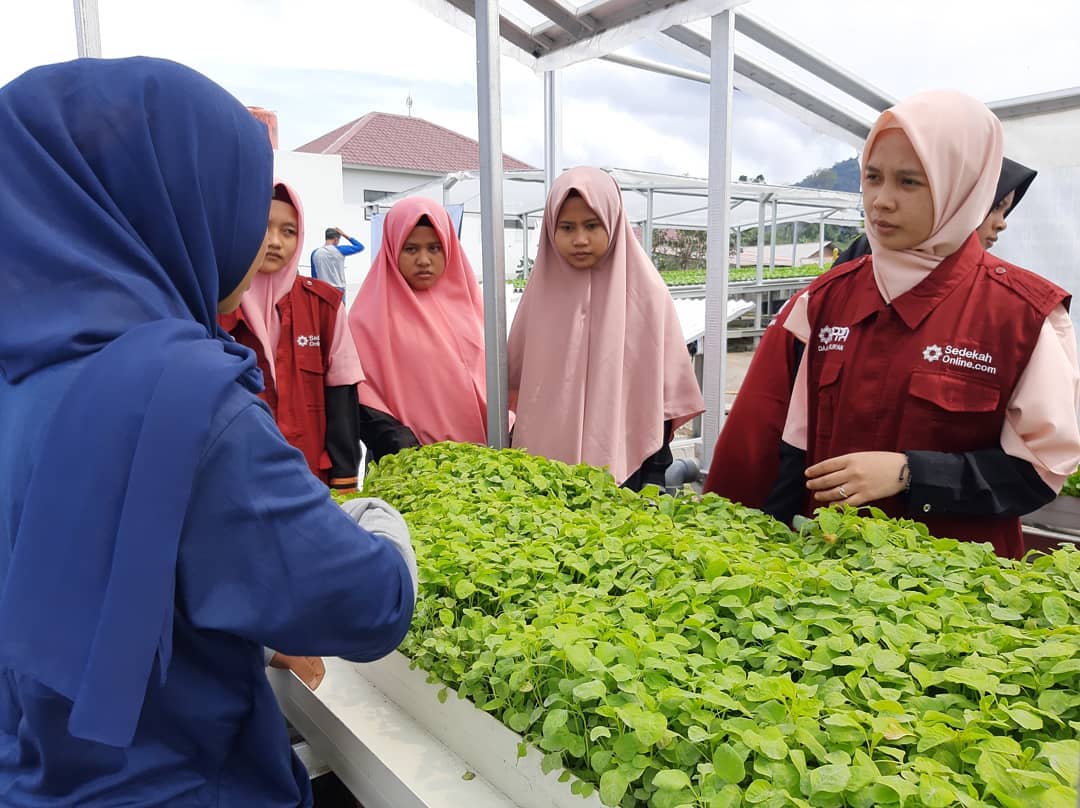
[(409, 103)]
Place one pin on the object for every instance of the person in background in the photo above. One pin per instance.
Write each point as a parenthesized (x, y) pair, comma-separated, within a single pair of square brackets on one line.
[(156, 530), (418, 325), (939, 382), (297, 328), (598, 368), (747, 453), (328, 261)]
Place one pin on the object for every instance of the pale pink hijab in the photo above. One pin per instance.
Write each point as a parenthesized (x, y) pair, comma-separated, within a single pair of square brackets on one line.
[(259, 307), (597, 360), (423, 351), (959, 142)]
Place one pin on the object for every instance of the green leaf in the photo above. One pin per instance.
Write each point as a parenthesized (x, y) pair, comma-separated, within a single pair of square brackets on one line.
[(671, 780), (936, 793), (648, 726), (758, 791), (464, 589), (886, 660), (830, 779), (613, 785), (1024, 718), (551, 762), (1056, 610), (579, 657), (590, 691), (1063, 757), (727, 764), (554, 721), (596, 733)]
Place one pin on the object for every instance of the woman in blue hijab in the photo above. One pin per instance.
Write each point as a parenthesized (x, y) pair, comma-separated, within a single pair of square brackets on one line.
[(156, 530)]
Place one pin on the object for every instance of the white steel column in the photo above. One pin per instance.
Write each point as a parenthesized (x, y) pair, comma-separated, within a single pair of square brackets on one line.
[(721, 73), (525, 245), (87, 29), (488, 86), (772, 233), (552, 127), (821, 242), (795, 243), (647, 230), (760, 276)]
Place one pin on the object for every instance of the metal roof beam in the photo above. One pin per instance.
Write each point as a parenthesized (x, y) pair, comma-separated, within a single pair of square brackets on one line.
[(1056, 101), (758, 79), (559, 14), (813, 63), (508, 30)]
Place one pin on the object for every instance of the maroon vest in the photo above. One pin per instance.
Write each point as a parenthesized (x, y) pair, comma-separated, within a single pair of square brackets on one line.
[(932, 371), (297, 397)]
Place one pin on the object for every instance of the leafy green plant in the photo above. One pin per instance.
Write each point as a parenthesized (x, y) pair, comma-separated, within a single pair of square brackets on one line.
[(686, 651), (1072, 485)]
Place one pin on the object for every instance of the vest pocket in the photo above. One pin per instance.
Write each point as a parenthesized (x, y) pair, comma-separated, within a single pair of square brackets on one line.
[(828, 400), (312, 378), (954, 393), (949, 413)]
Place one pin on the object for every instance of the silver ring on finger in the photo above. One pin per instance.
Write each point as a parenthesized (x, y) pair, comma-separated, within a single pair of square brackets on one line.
[(843, 493)]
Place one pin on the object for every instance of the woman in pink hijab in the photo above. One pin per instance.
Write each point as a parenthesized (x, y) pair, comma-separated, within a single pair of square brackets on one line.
[(418, 325), (938, 382), (296, 327), (598, 368)]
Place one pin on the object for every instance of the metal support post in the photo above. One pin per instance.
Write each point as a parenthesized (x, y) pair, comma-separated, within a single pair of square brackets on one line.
[(647, 231), (821, 242), (721, 73), (525, 245), (552, 127), (795, 243), (772, 242), (87, 29), (488, 86)]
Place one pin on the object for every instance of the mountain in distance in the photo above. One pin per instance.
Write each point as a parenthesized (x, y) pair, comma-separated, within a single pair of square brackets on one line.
[(842, 176)]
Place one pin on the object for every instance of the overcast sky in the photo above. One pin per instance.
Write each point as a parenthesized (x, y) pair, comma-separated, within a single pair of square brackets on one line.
[(321, 63)]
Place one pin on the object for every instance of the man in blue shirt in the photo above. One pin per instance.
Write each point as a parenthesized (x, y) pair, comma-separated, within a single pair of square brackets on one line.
[(328, 262)]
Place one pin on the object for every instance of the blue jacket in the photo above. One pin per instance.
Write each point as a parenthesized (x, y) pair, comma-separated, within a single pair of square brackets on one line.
[(266, 559)]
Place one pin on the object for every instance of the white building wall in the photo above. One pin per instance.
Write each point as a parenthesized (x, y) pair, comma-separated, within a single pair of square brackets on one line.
[(1044, 232), (317, 180)]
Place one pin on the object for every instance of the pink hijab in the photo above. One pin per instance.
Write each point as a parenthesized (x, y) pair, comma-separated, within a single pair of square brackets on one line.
[(597, 360), (423, 351), (959, 142), (259, 307)]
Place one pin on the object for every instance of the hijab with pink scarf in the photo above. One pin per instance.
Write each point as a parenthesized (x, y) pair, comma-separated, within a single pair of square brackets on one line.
[(597, 360), (258, 307), (423, 351)]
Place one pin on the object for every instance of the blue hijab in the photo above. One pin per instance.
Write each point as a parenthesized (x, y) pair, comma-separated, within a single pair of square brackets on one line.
[(134, 197)]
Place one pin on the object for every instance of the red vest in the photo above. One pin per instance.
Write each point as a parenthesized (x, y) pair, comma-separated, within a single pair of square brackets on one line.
[(932, 371), (297, 397), (747, 453)]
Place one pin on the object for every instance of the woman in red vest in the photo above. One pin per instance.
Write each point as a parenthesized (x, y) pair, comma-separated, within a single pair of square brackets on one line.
[(297, 328), (747, 452), (418, 326), (938, 382)]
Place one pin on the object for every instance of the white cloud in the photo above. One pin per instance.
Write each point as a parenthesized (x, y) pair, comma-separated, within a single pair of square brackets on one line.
[(321, 63)]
